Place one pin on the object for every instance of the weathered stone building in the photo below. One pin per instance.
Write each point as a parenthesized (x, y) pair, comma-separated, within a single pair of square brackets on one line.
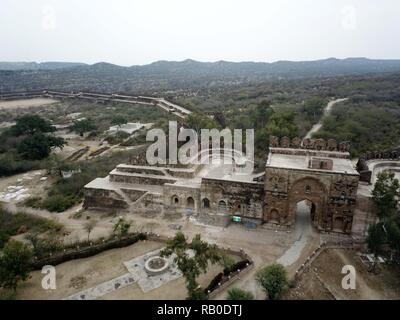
[(316, 171), (322, 175)]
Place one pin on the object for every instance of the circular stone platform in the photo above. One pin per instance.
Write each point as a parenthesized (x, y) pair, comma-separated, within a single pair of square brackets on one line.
[(156, 265)]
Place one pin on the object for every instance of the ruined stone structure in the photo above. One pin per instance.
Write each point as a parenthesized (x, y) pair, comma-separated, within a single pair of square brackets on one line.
[(211, 192), (320, 173), (316, 171), (369, 165)]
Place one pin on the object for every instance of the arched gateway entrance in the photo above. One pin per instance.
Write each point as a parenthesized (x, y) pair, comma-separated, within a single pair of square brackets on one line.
[(305, 213), (307, 201)]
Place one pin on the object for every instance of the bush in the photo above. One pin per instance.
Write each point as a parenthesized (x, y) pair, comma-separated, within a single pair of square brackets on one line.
[(242, 264), (7, 294), (11, 163), (33, 202), (58, 203), (118, 137), (274, 280), (15, 264), (197, 294), (39, 146), (121, 228), (10, 224), (239, 294), (42, 247)]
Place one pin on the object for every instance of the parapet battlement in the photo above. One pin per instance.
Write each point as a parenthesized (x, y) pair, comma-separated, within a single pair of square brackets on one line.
[(311, 144)]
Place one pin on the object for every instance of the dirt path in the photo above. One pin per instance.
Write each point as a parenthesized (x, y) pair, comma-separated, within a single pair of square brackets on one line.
[(303, 234), (323, 280), (263, 246), (366, 292), (26, 103), (304, 241), (327, 112)]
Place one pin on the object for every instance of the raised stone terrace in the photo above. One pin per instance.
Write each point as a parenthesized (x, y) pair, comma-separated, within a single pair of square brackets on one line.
[(212, 188)]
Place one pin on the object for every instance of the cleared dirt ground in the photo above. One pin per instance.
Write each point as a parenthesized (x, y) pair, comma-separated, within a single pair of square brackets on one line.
[(324, 278), (26, 103), (18, 187), (76, 275)]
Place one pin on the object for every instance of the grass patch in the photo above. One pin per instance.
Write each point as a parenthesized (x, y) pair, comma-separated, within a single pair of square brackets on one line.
[(13, 224)]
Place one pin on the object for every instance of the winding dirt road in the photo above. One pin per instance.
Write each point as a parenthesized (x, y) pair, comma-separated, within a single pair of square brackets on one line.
[(326, 113)]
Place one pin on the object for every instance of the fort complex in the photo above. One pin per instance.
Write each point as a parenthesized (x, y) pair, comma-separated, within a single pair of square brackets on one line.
[(318, 172)]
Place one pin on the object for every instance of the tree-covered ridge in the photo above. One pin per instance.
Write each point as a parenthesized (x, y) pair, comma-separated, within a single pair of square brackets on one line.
[(370, 119), (369, 126), (172, 75)]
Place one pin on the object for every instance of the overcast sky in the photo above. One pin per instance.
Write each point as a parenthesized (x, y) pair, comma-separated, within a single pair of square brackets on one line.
[(129, 32)]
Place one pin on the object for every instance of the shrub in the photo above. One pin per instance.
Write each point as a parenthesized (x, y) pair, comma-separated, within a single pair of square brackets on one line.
[(38, 146), (42, 247), (239, 294), (240, 265), (121, 228), (11, 163), (15, 264), (274, 280), (118, 137), (197, 294), (10, 224), (58, 203), (33, 202)]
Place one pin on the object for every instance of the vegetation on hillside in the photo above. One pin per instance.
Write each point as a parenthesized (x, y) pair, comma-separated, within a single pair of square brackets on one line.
[(14, 224), (23, 145)]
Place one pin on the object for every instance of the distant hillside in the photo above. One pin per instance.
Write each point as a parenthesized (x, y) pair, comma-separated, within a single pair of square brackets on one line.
[(167, 75), (38, 66)]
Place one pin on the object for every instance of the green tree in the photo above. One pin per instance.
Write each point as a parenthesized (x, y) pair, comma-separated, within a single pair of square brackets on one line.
[(393, 234), (314, 107), (121, 228), (190, 265), (227, 261), (30, 124), (274, 280), (83, 126), (119, 120), (262, 114), (282, 124), (38, 146), (239, 294), (376, 238), (198, 121), (386, 194), (15, 264), (219, 117), (89, 226)]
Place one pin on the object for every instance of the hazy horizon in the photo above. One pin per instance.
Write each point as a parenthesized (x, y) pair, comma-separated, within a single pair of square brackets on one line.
[(128, 33), (244, 61)]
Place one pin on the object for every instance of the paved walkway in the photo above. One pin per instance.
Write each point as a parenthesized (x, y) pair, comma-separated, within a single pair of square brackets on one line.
[(137, 274), (303, 234), (103, 288)]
